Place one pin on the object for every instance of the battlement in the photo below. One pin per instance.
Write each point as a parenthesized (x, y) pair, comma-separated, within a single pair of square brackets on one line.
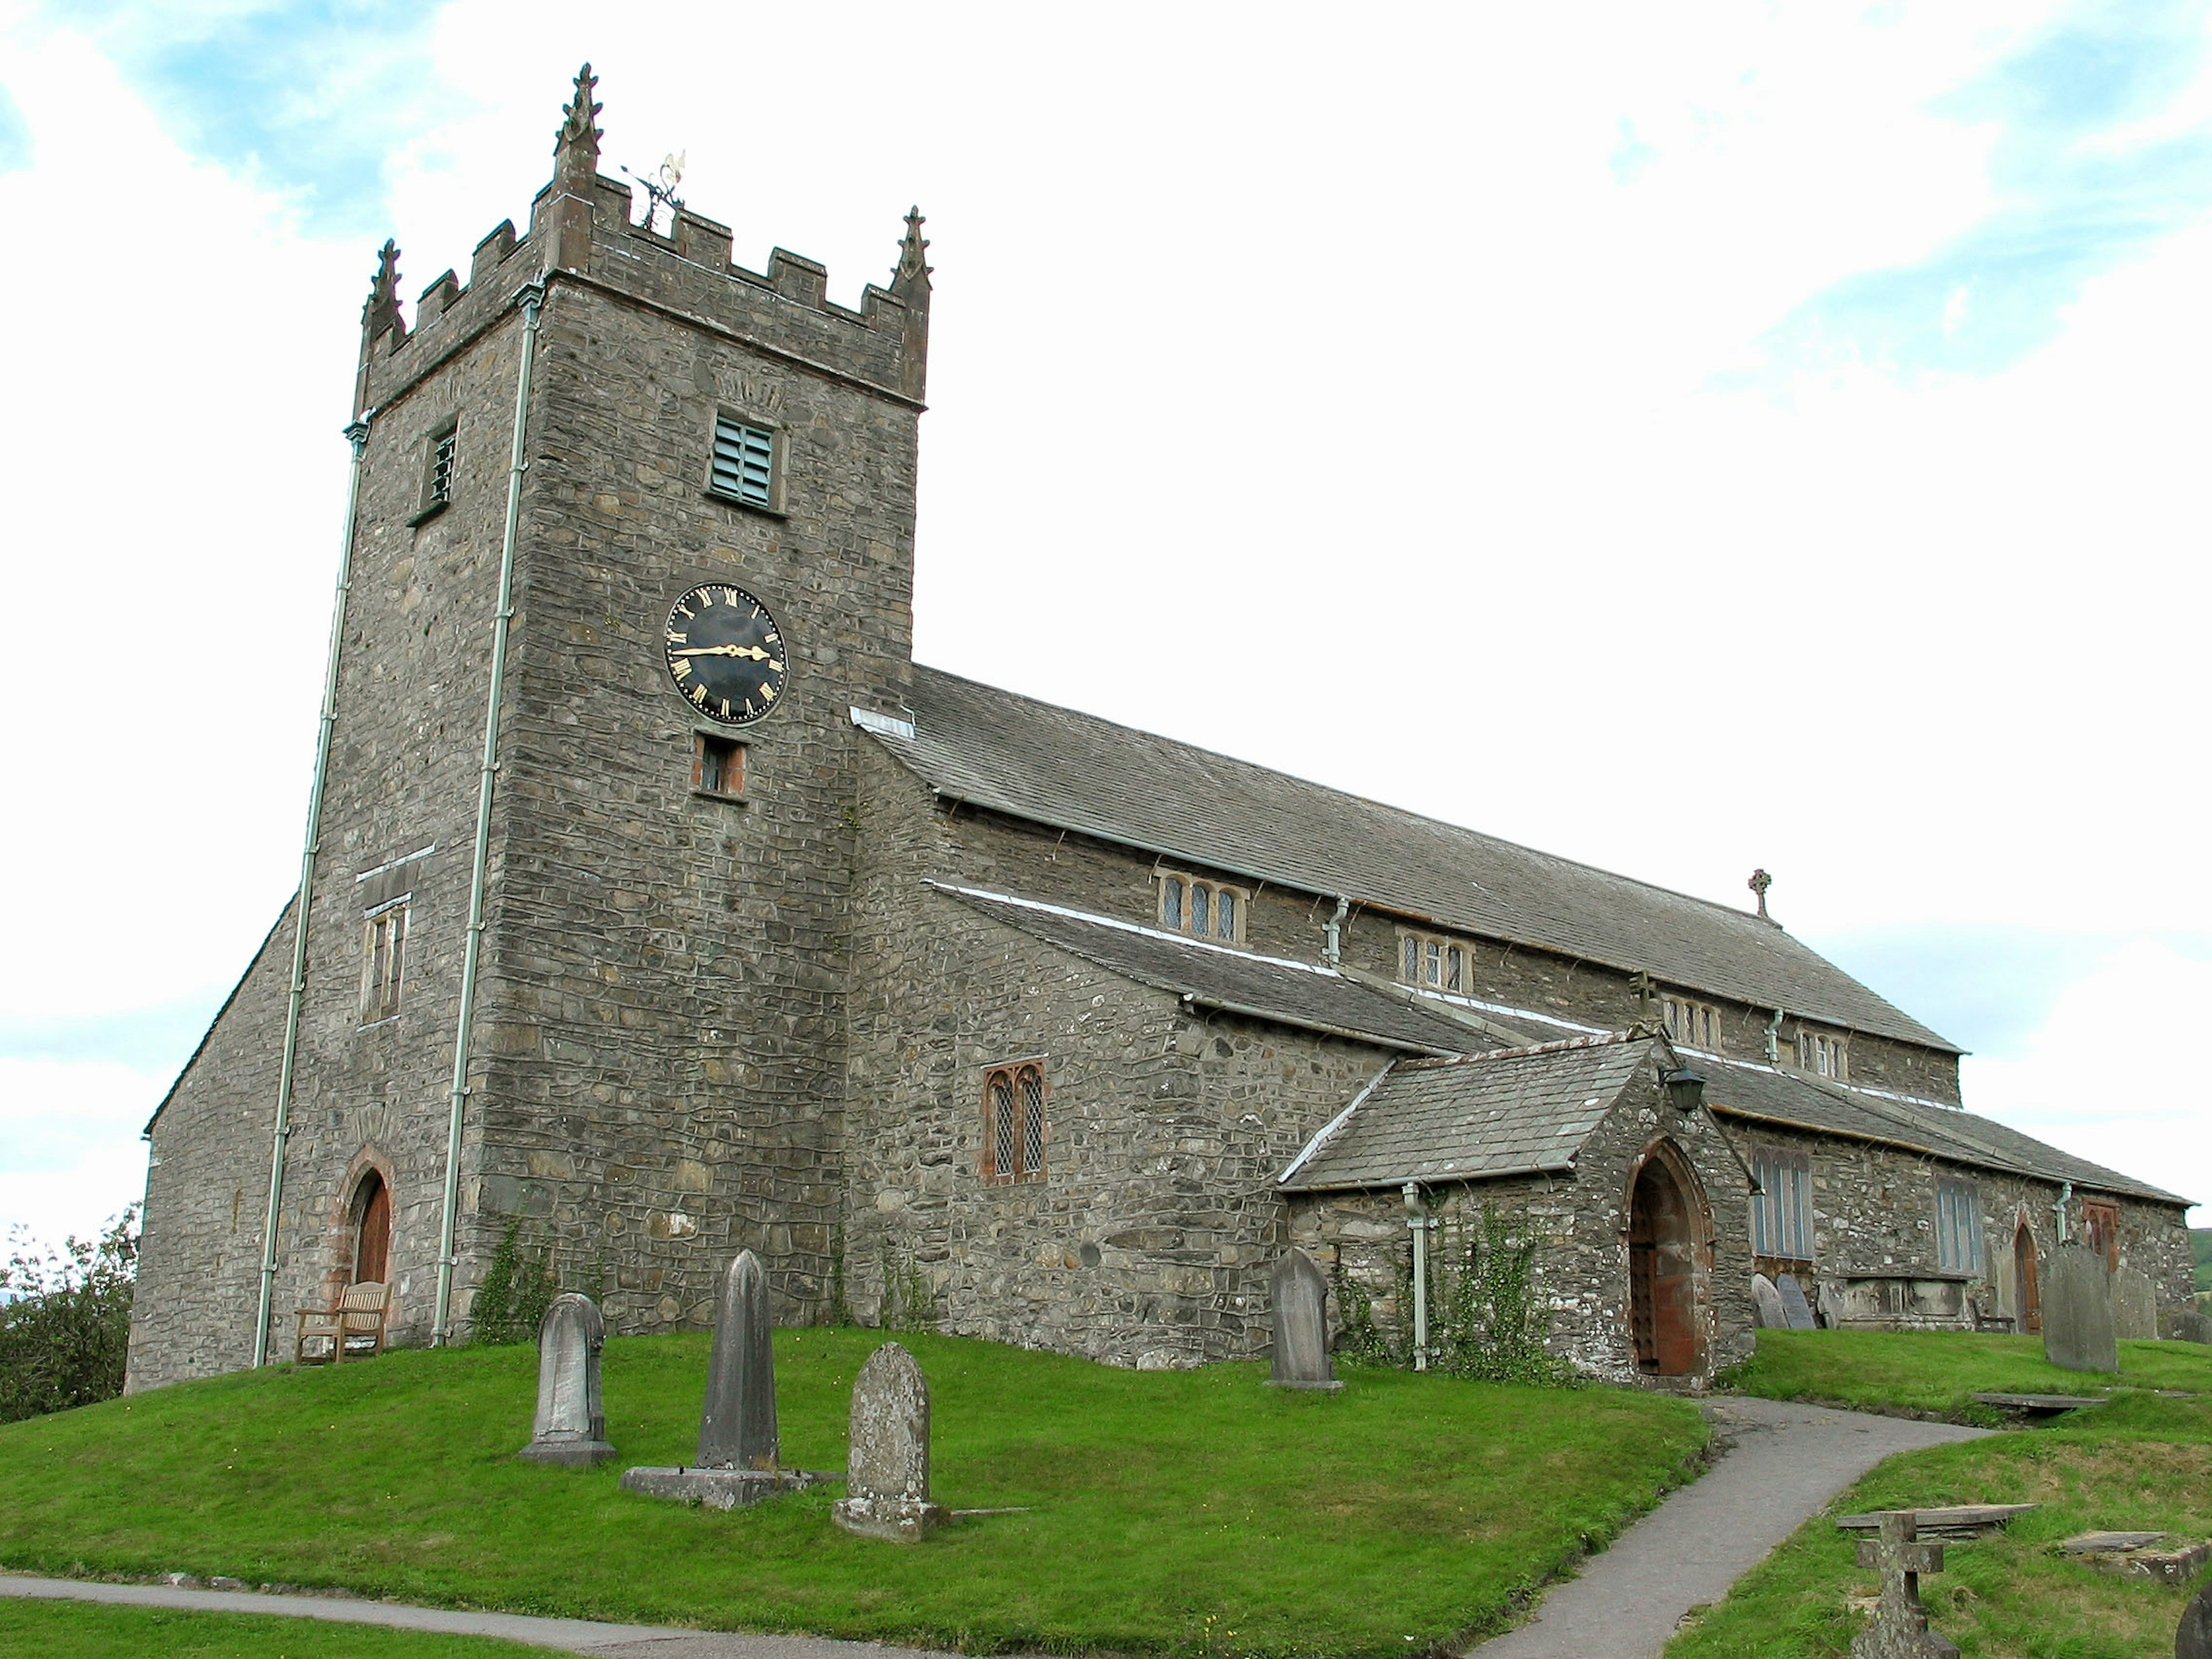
[(582, 229)]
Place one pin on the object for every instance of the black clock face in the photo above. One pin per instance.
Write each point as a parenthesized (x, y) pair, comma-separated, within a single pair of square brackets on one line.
[(726, 653)]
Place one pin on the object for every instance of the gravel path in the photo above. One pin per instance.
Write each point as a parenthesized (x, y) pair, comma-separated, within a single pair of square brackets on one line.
[(1786, 1460)]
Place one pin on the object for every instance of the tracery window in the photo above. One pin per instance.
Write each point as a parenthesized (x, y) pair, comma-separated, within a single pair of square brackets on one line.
[(1204, 910), (1437, 964), (1014, 1122)]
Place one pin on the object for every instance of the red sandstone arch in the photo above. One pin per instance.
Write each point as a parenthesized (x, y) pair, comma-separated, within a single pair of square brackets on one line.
[(1670, 1253)]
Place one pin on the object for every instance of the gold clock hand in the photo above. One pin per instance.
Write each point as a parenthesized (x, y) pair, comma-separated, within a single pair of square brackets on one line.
[(752, 650)]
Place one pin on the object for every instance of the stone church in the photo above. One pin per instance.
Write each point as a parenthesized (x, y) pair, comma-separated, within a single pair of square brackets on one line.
[(656, 904)]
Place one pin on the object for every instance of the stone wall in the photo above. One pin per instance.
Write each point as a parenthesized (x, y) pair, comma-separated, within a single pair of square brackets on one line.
[(1149, 1241)]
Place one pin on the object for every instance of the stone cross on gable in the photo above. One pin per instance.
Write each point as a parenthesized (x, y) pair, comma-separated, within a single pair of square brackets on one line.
[(1644, 987), (1759, 881), (1900, 1630)]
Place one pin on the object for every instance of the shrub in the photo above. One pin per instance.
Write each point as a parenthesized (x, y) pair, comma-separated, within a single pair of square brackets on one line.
[(518, 1286), (65, 1325)]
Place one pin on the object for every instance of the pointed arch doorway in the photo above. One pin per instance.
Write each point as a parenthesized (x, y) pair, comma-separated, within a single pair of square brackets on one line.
[(371, 1236), (1666, 1226)]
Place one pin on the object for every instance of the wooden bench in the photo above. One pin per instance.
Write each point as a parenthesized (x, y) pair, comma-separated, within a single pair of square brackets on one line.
[(351, 1328)]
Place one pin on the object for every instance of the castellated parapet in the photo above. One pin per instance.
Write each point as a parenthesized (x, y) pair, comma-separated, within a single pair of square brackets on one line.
[(580, 227)]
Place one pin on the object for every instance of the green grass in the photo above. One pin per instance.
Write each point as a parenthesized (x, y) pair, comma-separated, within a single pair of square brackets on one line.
[(2142, 1463), (2200, 1243), (1184, 1511), (87, 1630), (1937, 1373)]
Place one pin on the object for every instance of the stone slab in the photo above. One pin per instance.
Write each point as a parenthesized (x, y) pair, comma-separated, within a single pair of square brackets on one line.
[(2099, 1542), (2175, 1567), (1952, 1520), (716, 1489), (2078, 1330), (2044, 1405)]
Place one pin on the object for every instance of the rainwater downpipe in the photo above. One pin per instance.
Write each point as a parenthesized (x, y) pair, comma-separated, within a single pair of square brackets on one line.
[(1332, 948), (534, 298), (303, 901), (1419, 1224), (2058, 1213)]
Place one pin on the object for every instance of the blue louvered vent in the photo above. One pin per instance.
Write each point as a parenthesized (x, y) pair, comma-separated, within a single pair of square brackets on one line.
[(743, 461)]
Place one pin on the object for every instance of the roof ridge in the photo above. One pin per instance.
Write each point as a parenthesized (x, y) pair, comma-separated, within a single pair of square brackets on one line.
[(1603, 1040)]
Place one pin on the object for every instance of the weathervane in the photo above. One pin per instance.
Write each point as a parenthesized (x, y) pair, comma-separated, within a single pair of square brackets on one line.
[(660, 189)]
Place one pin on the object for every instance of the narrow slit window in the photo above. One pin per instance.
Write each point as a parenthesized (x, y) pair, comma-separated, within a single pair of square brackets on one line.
[(384, 968), (1171, 904), (1200, 922), (744, 462), (1032, 1121), (1225, 914), (1002, 1125)]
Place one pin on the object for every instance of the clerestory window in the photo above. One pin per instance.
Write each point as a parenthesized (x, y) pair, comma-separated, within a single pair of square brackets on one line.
[(1693, 1025), (1434, 963), (1824, 1053), (1204, 910)]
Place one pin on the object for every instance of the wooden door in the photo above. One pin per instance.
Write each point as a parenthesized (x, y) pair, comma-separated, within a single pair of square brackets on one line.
[(372, 1252), (2023, 1274), (1662, 1286)]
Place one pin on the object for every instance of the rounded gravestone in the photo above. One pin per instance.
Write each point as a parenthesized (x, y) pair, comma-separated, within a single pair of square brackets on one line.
[(1767, 1312), (737, 1425), (2194, 1639), (887, 1452), (571, 1424)]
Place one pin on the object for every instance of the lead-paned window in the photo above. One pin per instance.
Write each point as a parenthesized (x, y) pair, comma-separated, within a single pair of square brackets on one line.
[(1014, 1128), (1781, 1208), (1957, 1227), (1692, 1024), (744, 462), (1824, 1053), (1204, 910), (1437, 964)]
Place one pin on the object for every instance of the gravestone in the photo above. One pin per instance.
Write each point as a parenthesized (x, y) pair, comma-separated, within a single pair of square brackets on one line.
[(2077, 1310), (1900, 1630), (571, 1425), (2189, 1325), (2135, 1306), (1301, 1352), (1798, 1311), (737, 1426), (2194, 1639), (1767, 1309), (887, 1454)]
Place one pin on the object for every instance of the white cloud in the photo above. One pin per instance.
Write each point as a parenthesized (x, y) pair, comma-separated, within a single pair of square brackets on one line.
[(73, 1158)]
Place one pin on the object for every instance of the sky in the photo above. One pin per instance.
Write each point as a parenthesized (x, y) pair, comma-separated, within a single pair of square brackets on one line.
[(1682, 438)]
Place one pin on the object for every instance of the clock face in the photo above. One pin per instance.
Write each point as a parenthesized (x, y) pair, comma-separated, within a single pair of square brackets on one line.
[(726, 653)]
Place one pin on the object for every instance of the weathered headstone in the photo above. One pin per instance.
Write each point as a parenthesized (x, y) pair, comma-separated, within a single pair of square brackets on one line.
[(887, 1454), (1794, 1304), (2135, 1306), (737, 1447), (2189, 1325), (1900, 1630), (1767, 1309), (2077, 1310), (571, 1425), (1300, 1353), (2194, 1639)]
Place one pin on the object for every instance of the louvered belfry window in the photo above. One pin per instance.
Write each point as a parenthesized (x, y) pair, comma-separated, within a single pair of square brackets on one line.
[(1014, 1122), (441, 468), (745, 461)]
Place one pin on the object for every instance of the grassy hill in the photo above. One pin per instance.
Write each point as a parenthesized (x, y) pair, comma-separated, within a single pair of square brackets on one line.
[(2142, 1463), (1190, 1512), (81, 1629)]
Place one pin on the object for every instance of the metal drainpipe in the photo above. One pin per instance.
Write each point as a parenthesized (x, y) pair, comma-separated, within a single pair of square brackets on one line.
[(303, 899), (1419, 1224), (1332, 949), (2058, 1213), (533, 298)]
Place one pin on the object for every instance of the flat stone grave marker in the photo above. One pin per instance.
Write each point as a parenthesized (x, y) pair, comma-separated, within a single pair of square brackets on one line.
[(738, 1445), (2194, 1639), (2036, 1407), (1953, 1521), (1301, 1357), (887, 1452), (571, 1425), (1767, 1309), (2136, 1555), (1900, 1630), (1794, 1304), (2077, 1311)]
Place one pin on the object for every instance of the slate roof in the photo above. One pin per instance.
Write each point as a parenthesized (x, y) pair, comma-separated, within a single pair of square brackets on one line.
[(1517, 1111), (1294, 992), (1054, 766), (1734, 1089)]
